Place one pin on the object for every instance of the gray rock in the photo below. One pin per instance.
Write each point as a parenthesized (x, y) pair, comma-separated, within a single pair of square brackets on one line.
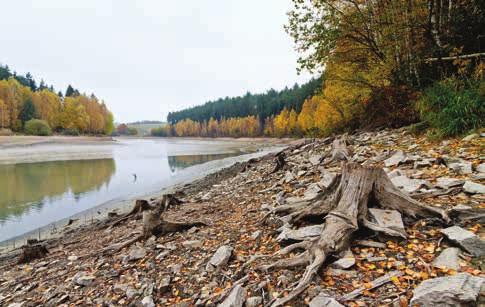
[(220, 258), (322, 300), (164, 284), (460, 290), (83, 279), (289, 177), (162, 255), (461, 167), (256, 235), (147, 301), (176, 268), (479, 176), (131, 292), (236, 297), (16, 304), (192, 244), (473, 187), (387, 218), (327, 179), (347, 261), (397, 158), (206, 196), (315, 159), (394, 173), (408, 185), (312, 192), (466, 239), (72, 258), (449, 258), (136, 254), (254, 301), (448, 182)]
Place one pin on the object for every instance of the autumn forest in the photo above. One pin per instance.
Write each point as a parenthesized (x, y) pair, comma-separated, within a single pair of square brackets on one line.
[(26, 107), (382, 64)]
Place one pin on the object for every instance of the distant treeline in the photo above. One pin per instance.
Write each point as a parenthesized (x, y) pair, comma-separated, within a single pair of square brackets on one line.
[(146, 122), (22, 100), (385, 64), (264, 105)]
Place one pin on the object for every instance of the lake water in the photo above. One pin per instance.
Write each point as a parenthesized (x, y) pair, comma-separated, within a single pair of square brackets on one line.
[(36, 194)]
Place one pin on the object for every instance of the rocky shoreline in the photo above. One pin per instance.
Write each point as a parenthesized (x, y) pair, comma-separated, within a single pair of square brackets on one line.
[(229, 259)]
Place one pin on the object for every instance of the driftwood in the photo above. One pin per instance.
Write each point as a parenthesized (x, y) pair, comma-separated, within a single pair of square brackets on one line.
[(154, 224), (344, 209)]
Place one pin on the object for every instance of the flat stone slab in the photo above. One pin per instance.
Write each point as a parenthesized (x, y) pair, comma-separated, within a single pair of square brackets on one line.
[(462, 289), (473, 187), (83, 279), (465, 239), (289, 177), (327, 179), (397, 158), (407, 184), (448, 182), (322, 300), (449, 258), (387, 218), (315, 159), (220, 258), (236, 297), (347, 261), (136, 254), (461, 167)]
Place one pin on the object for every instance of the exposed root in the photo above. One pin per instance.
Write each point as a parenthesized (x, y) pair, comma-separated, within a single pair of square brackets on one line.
[(344, 209)]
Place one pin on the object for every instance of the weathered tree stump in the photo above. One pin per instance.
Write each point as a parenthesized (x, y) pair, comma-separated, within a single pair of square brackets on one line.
[(344, 210), (31, 252), (280, 162)]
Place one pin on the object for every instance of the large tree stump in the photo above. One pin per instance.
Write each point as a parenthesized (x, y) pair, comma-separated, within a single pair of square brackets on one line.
[(344, 209)]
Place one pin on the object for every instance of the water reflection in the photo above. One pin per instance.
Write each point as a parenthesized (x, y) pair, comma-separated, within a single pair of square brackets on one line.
[(180, 162), (31, 185)]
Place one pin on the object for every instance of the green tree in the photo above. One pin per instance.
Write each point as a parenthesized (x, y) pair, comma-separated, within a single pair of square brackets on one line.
[(28, 111)]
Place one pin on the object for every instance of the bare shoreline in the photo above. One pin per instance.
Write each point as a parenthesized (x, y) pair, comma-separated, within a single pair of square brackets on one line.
[(30, 140), (86, 219)]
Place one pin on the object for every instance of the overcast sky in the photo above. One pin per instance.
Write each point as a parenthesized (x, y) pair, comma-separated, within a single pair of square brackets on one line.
[(148, 57)]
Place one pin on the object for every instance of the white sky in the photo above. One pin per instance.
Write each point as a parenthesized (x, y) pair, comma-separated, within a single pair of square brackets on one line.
[(148, 57)]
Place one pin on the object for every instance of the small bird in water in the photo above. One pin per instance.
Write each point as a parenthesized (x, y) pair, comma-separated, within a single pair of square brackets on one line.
[(134, 177)]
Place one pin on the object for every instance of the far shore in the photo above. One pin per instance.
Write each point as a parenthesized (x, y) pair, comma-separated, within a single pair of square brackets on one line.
[(31, 140)]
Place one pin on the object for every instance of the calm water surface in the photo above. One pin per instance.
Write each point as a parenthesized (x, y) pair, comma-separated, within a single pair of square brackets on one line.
[(33, 195)]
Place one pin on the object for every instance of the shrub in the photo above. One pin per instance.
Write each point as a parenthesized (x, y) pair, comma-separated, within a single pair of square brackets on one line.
[(390, 106), (452, 107), (71, 132), (37, 127)]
